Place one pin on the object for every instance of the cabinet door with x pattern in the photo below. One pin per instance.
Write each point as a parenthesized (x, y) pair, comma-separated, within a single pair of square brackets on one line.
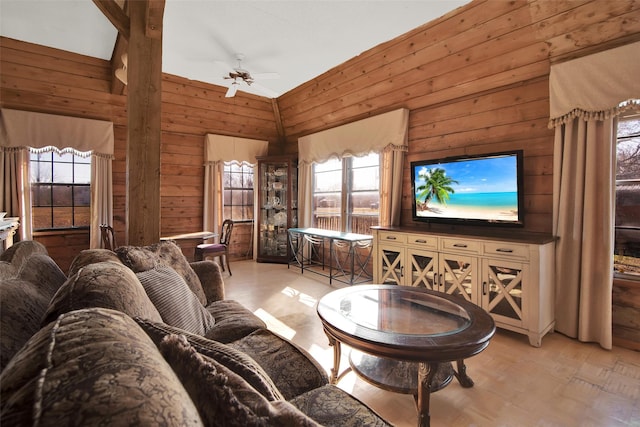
[(458, 275)]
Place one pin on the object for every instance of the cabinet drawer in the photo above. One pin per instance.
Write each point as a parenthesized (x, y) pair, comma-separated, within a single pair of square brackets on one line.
[(422, 241), (389, 236), (461, 245), (511, 250)]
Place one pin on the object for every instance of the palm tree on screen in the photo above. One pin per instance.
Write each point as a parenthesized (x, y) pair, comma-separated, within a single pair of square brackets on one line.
[(437, 185)]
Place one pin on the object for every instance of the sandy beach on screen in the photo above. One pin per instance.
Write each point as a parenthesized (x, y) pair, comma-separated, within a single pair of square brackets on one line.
[(469, 213)]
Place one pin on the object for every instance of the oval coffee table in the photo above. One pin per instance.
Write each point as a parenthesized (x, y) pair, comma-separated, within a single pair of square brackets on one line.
[(400, 327)]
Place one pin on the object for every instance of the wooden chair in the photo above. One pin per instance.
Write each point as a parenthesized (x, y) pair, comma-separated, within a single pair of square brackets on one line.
[(108, 237), (217, 249)]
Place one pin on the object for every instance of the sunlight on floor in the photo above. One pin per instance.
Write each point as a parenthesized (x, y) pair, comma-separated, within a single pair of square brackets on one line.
[(274, 324), (302, 297)]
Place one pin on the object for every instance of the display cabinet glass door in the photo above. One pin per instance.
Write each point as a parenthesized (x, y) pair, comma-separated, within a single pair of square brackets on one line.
[(277, 207)]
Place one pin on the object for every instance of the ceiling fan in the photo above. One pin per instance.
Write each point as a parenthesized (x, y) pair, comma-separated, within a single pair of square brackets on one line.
[(240, 77)]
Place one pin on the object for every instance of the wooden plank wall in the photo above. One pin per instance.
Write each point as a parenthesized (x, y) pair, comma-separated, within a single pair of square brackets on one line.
[(475, 81), (40, 79)]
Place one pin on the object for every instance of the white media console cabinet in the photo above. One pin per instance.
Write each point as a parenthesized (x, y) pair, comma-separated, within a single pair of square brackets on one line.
[(510, 274)]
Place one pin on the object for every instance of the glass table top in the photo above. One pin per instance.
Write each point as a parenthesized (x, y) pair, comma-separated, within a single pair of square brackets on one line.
[(403, 311), (398, 310)]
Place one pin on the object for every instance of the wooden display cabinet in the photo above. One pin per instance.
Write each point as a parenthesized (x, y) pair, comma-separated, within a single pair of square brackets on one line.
[(277, 206)]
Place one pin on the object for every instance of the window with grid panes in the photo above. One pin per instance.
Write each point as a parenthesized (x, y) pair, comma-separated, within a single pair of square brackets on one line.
[(346, 194), (627, 225), (60, 189), (238, 191)]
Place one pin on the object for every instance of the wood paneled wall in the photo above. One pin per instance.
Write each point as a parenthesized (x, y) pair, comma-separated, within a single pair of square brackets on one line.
[(45, 80), (475, 81)]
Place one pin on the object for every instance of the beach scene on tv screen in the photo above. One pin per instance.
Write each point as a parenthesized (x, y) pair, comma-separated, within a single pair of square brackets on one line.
[(476, 189)]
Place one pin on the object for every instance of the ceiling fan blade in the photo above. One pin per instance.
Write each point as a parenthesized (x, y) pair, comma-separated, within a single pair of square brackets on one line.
[(231, 92), (266, 92), (265, 76)]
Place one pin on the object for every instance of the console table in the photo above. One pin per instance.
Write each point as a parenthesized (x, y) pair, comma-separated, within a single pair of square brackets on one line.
[(307, 247)]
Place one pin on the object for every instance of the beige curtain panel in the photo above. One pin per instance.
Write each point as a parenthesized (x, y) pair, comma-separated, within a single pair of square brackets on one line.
[(586, 96)]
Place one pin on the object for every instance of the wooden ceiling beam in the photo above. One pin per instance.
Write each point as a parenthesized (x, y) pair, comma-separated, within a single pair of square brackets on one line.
[(153, 18), (116, 15)]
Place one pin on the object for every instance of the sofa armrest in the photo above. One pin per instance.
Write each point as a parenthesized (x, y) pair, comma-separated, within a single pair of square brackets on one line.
[(211, 278)]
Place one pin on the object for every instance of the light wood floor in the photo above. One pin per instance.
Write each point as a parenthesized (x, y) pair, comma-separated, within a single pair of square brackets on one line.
[(562, 383)]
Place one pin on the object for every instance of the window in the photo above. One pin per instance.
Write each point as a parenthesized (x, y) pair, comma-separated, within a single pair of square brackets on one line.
[(627, 225), (60, 189), (238, 191), (346, 194)]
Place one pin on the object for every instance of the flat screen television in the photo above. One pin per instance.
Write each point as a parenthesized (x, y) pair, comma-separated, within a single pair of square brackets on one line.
[(480, 190)]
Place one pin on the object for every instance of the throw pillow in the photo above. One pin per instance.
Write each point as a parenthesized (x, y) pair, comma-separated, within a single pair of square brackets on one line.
[(235, 360), (103, 284), (143, 258), (222, 397), (175, 301)]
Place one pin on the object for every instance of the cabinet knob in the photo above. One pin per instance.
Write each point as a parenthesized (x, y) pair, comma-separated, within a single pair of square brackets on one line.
[(390, 238), (459, 245), (421, 241)]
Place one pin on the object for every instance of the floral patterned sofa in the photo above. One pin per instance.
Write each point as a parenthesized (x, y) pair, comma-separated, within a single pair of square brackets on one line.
[(140, 336)]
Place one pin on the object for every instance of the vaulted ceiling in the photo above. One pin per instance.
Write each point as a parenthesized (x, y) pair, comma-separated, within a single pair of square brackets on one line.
[(298, 40)]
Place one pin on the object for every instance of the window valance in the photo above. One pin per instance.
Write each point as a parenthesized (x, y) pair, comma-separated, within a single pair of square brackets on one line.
[(229, 148), (38, 130), (373, 134), (595, 85)]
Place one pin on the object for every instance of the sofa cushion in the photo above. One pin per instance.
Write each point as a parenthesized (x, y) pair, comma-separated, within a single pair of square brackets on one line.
[(291, 368), (7, 270), (175, 302), (334, 407), (22, 250), (93, 367), (43, 272), (232, 359), (103, 284), (233, 321), (22, 306), (210, 277), (222, 397), (24, 300), (143, 258), (91, 256)]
